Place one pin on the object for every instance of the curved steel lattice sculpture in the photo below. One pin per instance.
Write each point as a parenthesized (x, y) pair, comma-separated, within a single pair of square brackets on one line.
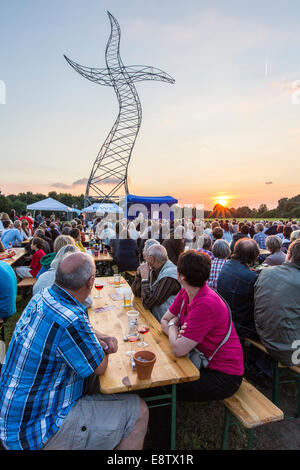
[(111, 164)]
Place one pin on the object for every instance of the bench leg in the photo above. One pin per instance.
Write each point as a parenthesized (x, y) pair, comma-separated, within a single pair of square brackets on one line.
[(227, 419), (298, 398), (251, 436), (275, 384)]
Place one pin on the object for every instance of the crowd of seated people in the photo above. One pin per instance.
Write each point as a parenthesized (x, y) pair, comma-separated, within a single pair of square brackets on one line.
[(209, 289)]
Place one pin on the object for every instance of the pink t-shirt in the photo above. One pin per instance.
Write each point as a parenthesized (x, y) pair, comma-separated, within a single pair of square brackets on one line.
[(207, 319)]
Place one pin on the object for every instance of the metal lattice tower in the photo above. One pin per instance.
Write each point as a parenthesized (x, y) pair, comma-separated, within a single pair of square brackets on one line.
[(111, 164)]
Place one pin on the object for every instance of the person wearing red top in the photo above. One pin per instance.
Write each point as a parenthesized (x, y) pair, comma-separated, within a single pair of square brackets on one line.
[(199, 318), (35, 265), (25, 216)]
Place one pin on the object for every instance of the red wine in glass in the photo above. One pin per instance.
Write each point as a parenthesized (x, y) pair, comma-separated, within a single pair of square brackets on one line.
[(99, 287), (143, 329), (132, 337)]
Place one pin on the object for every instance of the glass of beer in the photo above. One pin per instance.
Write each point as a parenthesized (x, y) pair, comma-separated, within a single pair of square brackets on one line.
[(127, 298), (117, 280)]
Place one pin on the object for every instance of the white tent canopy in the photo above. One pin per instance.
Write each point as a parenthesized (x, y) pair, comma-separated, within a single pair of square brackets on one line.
[(110, 208), (49, 204)]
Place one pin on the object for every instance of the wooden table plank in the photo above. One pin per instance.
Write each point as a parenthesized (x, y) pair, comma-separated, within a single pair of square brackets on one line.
[(264, 252), (19, 253), (104, 258), (168, 369)]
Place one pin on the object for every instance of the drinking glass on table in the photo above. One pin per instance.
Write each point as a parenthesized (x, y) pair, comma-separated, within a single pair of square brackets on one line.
[(98, 286), (127, 298), (117, 280), (132, 336), (143, 328)]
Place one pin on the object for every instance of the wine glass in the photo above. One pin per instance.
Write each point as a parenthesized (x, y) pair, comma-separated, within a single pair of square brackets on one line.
[(132, 336), (99, 286), (143, 328)]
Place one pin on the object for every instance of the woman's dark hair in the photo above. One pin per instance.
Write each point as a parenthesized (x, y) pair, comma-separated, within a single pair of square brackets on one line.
[(245, 229), (195, 267), (6, 223), (245, 251), (217, 233), (280, 229), (240, 225), (74, 233), (287, 231)]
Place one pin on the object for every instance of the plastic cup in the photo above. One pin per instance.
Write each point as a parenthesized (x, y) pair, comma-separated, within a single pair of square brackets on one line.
[(132, 316)]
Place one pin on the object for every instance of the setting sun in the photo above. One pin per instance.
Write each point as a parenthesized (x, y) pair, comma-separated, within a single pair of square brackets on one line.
[(222, 201)]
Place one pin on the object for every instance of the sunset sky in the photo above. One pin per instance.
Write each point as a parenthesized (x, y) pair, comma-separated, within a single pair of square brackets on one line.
[(228, 126)]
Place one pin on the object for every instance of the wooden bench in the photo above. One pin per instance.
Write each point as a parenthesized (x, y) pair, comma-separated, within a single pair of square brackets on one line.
[(27, 282), (131, 273), (277, 372), (251, 408)]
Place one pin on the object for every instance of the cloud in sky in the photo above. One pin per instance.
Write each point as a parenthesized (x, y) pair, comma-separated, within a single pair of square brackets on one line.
[(61, 186), (82, 181)]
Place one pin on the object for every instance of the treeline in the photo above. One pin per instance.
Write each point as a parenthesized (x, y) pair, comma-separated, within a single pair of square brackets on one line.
[(20, 201), (287, 207)]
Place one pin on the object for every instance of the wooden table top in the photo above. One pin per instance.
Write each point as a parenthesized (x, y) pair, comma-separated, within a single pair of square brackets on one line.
[(101, 257), (19, 253), (264, 252), (119, 377), (24, 242)]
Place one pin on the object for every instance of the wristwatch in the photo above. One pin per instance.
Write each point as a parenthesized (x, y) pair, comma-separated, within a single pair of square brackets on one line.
[(171, 322)]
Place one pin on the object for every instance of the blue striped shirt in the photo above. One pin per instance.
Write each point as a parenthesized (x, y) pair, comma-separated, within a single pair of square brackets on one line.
[(260, 239), (52, 351)]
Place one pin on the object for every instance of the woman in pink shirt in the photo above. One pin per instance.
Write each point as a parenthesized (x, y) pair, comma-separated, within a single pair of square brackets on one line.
[(199, 318)]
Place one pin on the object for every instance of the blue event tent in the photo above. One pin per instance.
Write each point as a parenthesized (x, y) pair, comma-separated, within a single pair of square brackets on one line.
[(149, 206)]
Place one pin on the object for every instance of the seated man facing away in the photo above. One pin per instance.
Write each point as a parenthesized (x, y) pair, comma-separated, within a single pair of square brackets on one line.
[(221, 252), (277, 307), (236, 285), (156, 281), (273, 245), (260, 236), (43, 401), (12, 235)]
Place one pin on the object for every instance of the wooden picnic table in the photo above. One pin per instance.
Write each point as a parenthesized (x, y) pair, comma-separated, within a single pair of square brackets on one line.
[(19, 253), (119, 376)]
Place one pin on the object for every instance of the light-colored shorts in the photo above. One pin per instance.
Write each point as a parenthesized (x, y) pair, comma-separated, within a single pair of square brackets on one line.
[(23, 271), (96, 422)]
